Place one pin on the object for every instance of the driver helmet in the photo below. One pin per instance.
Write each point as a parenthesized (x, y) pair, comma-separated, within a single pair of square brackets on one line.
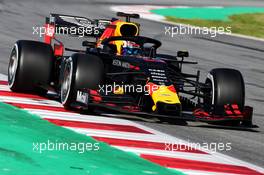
[(130, 48)]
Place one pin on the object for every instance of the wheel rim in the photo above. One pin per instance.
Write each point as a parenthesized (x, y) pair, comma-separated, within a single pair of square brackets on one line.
[(209, 95), (12, 67), (212, 84), (66, 83)]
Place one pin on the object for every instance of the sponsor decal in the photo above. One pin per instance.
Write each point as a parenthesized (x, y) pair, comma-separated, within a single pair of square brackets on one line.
[(82, 97), (121, 64)]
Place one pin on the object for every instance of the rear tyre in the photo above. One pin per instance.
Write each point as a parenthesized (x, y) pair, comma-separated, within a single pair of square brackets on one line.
[(30, 66), (226, 87), (80, 71)]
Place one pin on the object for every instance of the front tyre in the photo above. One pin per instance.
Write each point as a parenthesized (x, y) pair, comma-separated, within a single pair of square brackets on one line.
[(226, 87)]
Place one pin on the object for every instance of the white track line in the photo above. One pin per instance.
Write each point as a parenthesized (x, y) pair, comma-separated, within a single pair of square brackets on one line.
[(4, 88), (191, 172), (22, 100), (183, 155), (78, 117)]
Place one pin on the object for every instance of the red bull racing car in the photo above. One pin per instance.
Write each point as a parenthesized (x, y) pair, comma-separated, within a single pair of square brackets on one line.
[(124, 72)]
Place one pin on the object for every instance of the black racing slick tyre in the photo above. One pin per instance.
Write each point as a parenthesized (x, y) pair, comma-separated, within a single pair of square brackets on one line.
[(30, 66), (80, 71), (226, 87)]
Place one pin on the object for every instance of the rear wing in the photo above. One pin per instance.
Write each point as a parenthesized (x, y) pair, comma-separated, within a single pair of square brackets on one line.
[(59, 24), (76, 25)]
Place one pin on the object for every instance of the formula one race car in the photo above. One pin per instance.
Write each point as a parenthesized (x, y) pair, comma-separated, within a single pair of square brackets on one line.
[(123, 72)]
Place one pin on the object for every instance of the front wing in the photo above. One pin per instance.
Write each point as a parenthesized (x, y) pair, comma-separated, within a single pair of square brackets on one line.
[(232, 117)]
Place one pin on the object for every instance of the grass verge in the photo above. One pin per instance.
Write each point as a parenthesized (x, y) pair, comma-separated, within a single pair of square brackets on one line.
[(245, 24)]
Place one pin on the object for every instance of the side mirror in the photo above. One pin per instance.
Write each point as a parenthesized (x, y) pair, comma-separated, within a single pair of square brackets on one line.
[(182, 54)]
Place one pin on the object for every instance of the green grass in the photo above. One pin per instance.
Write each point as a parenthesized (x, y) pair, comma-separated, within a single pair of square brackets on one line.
[(245, 24)]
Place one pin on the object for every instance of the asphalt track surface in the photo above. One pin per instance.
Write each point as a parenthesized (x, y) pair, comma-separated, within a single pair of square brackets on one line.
[(18, 18)]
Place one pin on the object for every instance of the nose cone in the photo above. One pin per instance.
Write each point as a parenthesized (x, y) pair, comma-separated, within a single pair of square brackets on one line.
[(165, 95), (172, 109)]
